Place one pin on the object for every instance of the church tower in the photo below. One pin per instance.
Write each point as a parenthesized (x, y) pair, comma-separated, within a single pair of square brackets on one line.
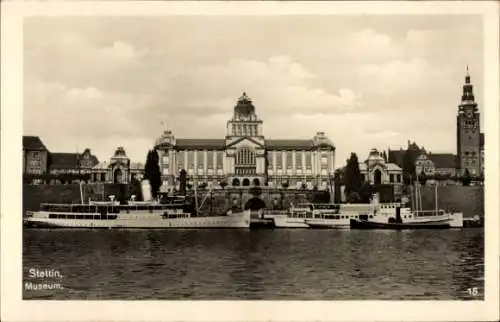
[(468, 132)]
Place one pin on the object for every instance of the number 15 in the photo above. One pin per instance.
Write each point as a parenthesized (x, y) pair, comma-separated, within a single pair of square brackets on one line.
[(473, 291)]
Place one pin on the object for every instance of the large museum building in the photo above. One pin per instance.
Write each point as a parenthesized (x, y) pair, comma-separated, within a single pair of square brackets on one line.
[(246, 158)]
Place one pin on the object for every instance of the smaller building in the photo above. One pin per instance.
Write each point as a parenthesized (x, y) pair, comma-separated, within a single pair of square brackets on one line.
[(35, 156), (72, 163), (436, 164), (119, 169), (376, 171)]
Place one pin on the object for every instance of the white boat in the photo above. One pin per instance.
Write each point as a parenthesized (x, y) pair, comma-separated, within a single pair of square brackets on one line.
[(312, 215), (130, 216), (148, 214), (381, 217)]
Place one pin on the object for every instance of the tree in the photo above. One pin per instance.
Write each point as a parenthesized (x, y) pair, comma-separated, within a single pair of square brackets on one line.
[(223, 184), (182, 182), (352, 175), (385, 156), (285, 185), (409, 172), (152, 172), (422, 178), (466, 178), (304, 186)]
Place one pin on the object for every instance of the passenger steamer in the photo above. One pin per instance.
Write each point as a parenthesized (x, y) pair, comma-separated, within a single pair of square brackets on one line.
[(149, 214)]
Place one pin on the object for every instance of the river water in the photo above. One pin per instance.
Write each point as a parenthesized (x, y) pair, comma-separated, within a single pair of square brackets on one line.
[(280, 264)]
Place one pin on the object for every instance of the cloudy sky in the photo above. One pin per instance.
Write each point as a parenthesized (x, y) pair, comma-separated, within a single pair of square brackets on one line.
[(367, 81)]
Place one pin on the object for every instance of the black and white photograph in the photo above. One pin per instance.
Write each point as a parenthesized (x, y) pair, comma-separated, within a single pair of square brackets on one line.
[(253, 154)]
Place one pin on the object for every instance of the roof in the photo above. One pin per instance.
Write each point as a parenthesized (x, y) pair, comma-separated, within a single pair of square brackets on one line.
[(101, 165), (33, 143), (289, 144), (218, 144), (64, 160), (200, 144), (443, 160)]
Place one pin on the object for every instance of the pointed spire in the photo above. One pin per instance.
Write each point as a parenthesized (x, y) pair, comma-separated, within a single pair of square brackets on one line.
[(467, 75)]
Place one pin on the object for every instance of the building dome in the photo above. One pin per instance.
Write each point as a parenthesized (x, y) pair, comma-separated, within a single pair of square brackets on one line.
[(120, 152), (244, 107), (321, 140), (375, 157)]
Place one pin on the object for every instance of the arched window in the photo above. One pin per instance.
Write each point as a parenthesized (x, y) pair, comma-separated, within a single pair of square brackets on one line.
[(236, 182)]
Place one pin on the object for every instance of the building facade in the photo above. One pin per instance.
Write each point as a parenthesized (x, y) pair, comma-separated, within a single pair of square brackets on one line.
[(72, 163), (376, 171), (469, 143), (246, 158), (35, 156), (436, 164), (119, 169)]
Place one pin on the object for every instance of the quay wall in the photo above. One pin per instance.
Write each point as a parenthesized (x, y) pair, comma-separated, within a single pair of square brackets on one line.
[(469, 200), (219, 200)]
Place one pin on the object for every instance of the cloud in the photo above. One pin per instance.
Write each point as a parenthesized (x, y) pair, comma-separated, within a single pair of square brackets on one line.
[(363, 81)]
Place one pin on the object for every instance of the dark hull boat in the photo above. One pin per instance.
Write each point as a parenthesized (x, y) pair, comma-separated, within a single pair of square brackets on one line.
[(365, 224)]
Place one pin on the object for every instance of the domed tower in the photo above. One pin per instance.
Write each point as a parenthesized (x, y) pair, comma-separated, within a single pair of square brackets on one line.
[(245, 145), (244, 122)]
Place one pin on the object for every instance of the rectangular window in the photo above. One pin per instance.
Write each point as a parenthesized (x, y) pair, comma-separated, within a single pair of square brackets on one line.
[(220, 159), (165, 171), (190, 159), (308, 159), (269, 161), (324, 160), (210, 171), (298, 159), (180, 160), (279, 159), (299, 171), (289, 159), (323, 172), (200, 158), (391, 178), (103, 177), (270, 171), (165, 159), (210, 159)]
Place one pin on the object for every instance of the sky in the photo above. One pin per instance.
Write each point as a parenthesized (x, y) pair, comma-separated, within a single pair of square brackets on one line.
[(366, 81)]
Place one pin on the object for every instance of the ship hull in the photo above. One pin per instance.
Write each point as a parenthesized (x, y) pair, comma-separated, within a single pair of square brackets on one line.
[(364, 224), (283, 221), (149, 221)]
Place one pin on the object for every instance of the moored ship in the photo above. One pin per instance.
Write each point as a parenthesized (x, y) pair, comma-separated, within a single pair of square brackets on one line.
[(131, 216), (406, 218), (175, 213)]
